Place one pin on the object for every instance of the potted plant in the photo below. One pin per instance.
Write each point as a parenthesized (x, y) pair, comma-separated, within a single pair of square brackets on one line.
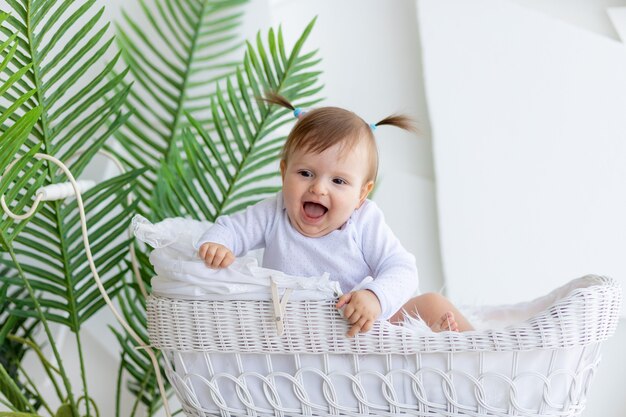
[(191, 144)]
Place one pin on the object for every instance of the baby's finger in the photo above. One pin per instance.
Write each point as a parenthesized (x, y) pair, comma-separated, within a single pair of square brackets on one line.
[(356, 328), (343, 300), (218, 258), (228, 260), (348, 311), (202, 251), (354, 317), (210, 254), (367, 326)]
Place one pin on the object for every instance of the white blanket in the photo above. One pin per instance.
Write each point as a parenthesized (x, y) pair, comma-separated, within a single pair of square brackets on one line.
[(182, 274)]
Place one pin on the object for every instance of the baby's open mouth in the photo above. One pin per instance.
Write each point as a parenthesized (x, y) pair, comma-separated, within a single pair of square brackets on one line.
[(314, 210)]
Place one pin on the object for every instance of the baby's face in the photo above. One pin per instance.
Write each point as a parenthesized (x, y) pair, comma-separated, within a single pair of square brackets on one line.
[(322, 190)]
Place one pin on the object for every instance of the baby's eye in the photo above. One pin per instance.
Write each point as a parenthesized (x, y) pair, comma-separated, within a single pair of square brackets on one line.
[(305, 173), (339, 181)]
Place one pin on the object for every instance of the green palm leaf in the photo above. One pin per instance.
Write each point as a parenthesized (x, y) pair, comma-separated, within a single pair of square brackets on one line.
[(235, 166), (185, 46), (12, 391), (15, 123), (15, 133), (59, 59), (223, 171), (12, 352), (64, 77), (56, 57), (59, 279), (65, 285), (58, 63)]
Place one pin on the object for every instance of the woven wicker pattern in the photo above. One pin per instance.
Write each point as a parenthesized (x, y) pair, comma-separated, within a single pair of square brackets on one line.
[(587, 315), (224, 358)]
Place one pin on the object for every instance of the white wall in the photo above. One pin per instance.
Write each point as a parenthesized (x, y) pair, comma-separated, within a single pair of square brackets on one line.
[(589, 15), (529, 148), (527, 114)]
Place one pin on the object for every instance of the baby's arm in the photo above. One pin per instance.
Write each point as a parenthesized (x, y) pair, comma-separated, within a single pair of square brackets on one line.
[(236, 234), (392, 266), (216, 255), (362, 308)]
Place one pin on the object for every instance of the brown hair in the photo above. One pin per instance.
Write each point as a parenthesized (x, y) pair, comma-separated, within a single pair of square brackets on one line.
[(319, 129)]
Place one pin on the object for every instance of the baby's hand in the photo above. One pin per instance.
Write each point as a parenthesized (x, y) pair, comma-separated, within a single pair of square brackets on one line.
[(216, 255), (362, 308)]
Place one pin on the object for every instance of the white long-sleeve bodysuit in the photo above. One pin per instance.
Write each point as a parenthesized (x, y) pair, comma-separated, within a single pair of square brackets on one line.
[(363, 246)]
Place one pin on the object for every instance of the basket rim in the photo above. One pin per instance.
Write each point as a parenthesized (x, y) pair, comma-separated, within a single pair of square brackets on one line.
[(597, 298)]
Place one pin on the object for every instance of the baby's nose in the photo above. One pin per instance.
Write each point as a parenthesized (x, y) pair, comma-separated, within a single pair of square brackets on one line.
[(318, 187)]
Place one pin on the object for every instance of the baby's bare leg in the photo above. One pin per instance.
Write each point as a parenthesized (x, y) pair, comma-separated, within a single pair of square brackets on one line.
[(436, 310)]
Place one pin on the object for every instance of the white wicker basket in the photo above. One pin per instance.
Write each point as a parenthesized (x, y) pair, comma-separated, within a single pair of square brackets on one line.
[(224, 358)]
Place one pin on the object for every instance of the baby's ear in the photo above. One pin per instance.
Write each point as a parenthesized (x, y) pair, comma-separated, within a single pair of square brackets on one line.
[(365, 191)]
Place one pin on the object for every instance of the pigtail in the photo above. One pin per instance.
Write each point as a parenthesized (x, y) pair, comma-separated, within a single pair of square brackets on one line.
[(399, 120), (275, 98)]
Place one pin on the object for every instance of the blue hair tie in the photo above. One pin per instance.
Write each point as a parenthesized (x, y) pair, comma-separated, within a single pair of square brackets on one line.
[(373, 126), (297, 112)]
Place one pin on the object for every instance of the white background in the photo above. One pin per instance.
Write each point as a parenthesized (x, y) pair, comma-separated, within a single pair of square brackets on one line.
[(372, 64), (529, 148)]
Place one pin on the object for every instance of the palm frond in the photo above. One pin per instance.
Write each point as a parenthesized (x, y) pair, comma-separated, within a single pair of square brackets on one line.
[(183, 46), (63, 280), (57, 47), (63, 47), (62, 54), (11, 352), (15, 124), (14, 133), (235, 165), (229, 167), (12, 391)]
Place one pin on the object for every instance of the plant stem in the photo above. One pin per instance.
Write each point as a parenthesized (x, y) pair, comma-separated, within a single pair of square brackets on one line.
[(44, 322), (89, 400), (39, 396), (141, 392), (83, 372), (118, 386), (11, 385), (7, 405), (31, 344)]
